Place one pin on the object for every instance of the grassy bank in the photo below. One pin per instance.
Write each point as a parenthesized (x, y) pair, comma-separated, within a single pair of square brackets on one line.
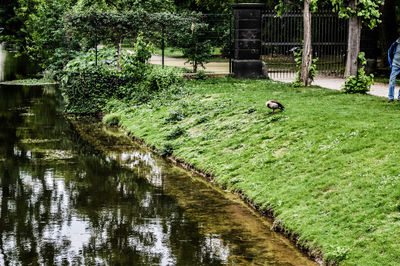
[(327, 166), (29, 82)]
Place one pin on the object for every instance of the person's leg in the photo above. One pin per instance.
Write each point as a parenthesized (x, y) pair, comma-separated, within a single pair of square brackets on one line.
[(397, 72), (392, 81)]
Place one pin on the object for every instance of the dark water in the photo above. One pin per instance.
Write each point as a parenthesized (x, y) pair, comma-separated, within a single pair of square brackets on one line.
[(73, 192), (15, 67)]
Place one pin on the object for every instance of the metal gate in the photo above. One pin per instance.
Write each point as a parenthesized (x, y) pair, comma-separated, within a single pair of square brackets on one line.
[(282, 35)]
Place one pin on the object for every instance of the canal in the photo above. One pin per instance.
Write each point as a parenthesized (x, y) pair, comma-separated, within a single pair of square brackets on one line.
[(75, 192)]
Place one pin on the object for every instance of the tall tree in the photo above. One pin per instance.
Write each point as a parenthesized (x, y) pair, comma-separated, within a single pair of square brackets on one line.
[(308, 6), (126, 5), (14, 33), (45, 32), (358, 12), (306, 61), (118, 19)]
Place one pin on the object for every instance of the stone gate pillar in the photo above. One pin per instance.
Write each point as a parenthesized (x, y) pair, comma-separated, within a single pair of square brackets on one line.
[(247, 61)]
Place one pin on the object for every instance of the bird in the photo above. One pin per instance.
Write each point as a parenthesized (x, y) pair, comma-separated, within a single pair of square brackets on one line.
[(271, 104)]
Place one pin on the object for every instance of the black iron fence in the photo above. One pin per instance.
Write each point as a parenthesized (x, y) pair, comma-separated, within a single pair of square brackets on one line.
[(282, 35)]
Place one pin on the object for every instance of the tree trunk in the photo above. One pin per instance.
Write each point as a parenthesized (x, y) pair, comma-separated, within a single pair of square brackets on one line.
[(353, 46), (307, 53), (121, 38)]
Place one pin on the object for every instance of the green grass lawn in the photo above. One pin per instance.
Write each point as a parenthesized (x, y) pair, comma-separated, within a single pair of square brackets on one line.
[(328, 165), (170, 52), (177, 53), (383, 80)]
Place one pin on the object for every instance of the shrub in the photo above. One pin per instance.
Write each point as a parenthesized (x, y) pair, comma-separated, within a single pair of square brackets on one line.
[(87, 88), (201, 75), (194, 44), (88, 91), (134, 64), (161, 79), (106, 58), (112, 119), (362, 82)]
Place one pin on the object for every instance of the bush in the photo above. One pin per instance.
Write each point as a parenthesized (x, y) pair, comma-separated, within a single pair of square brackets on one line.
[(134, 64), (201, 75), (87, 88), (88, 91), (362, 82), (112, 119), (106, 58), (161, 79)]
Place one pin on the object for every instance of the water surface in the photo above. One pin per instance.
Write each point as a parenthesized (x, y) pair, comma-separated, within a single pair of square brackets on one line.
[(74, 192), (13, 66)]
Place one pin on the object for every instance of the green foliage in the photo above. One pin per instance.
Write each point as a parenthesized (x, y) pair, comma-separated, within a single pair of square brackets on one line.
[(106, 58), (336, 255), (175, 133), (142, 51), (367, 10), (185, 31), (120, 5), (161, 79), (313, 72), (14, 32), (362, 82), (175, 116), (44, 32), (197, 49), (112, 119), (166, 150), (89, 90), (201, 75), (284, 5)]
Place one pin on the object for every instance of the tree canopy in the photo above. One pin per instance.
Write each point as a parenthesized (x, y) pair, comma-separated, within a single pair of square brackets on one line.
[(367, 10)]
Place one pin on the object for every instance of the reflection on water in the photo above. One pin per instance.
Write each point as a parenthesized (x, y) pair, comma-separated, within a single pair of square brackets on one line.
[(76, 192), (15, 67), (2, 62)]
